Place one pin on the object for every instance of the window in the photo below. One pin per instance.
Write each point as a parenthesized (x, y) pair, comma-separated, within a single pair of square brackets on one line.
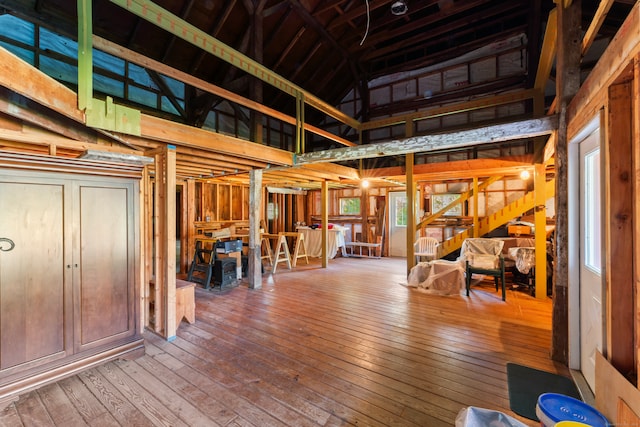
[(592, 239), (440, 201), (401, 212), (272, 211), (350, 206)]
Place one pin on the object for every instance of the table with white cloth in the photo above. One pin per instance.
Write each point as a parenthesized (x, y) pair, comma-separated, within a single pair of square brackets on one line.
[(313, 241)]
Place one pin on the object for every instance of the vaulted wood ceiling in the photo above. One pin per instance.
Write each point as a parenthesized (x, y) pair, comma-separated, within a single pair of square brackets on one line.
[(328, 47)]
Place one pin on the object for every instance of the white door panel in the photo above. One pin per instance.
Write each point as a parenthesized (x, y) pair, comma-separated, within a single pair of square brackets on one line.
[(591, 336)]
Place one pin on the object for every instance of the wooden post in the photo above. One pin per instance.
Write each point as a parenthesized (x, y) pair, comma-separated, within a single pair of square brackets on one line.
[(567, 85), (325, 221), (636, 187), (169, 240), (255, 261), (540, 221), (165, 239), (146, 245), (475, 207), (411, 211)]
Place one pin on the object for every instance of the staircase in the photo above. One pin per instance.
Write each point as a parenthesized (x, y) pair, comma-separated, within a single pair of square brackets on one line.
[(488, 223)]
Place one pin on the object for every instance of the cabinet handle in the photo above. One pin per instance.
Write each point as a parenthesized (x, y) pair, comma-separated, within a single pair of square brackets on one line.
[(5, 248)]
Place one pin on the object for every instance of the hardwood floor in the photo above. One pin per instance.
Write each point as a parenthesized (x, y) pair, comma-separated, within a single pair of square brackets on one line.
[(347, 345)]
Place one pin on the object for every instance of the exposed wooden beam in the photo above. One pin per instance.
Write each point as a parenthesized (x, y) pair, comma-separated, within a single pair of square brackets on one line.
[(459, 107), (450, 140), (34, 84), (625, 44), (143, 61), (188, 136), (164, 19), (460, 169), (548, 54), (596, 23)]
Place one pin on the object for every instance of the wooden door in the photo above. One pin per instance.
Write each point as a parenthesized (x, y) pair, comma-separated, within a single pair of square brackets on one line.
[(35, 287), (105, 278)]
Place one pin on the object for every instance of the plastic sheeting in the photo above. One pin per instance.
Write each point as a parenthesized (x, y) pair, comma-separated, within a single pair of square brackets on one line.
[(439, 277), (479, 417), (481, 253), (525, 258)]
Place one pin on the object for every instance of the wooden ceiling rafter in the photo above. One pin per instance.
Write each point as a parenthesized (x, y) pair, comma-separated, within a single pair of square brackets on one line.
[(214, 31), (376, 37), (459, 28), (149, 63), (453, 52), (331, 5)]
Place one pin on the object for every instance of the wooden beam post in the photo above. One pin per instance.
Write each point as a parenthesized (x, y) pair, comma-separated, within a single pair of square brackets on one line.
[(324, 195), (540, 221), (567, 84), (411, 211), (636, 192), (165, 242), (255, 242), (169, 241), (475, 207)]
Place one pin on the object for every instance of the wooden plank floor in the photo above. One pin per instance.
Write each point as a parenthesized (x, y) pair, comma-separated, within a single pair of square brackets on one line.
[(348, 345)]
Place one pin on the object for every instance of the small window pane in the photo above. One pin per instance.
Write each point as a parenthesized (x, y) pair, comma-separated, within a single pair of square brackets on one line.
[(401, 212), (350, 206), (592, 235)]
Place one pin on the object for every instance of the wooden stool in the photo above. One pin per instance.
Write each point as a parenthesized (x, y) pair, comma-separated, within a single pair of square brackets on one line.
[(185, 302), (282, 249)]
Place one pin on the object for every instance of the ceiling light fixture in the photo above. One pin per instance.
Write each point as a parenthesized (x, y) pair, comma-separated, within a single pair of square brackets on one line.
[(399, 7), (524, 175), (364, 183)]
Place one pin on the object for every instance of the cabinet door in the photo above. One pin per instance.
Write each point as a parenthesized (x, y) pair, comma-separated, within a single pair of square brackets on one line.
[(34, 280), (105, 289)]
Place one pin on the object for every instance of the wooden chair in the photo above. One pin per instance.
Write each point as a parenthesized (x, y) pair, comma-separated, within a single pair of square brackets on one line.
[(426, 247), (282, 253), (483, 256)]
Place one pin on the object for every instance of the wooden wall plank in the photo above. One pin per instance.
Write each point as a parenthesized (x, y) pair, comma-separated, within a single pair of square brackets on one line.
[(619, 229)]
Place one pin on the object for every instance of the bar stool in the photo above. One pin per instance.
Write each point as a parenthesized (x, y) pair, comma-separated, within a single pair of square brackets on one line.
[(282, 249)]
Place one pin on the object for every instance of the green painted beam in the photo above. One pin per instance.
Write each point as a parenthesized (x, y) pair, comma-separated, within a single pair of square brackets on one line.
[(98, 114), (85, 55)]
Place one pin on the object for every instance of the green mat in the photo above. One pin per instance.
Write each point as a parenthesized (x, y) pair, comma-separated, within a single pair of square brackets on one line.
[(526, 384)]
